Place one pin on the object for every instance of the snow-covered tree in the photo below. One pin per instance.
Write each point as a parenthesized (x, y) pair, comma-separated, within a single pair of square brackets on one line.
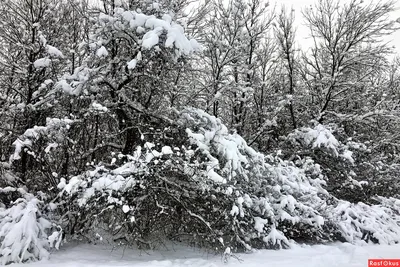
[(232, 59), (348, 49)]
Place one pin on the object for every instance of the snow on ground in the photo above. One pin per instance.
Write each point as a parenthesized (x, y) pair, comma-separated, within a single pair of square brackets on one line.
[(344, 255)]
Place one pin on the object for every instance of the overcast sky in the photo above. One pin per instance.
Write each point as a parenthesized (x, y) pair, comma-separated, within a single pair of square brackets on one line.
[(302, 32)]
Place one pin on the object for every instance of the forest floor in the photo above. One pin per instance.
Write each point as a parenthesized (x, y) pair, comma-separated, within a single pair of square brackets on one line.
[(345, 255)]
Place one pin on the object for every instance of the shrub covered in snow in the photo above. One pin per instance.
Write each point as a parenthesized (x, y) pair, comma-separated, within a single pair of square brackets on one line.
[(368, 223), (354, 214), (211, 189), (336, 158), (196, 182), (24, 230)]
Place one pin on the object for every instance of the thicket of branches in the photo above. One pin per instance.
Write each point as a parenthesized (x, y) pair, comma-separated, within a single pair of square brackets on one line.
[(137, 122)]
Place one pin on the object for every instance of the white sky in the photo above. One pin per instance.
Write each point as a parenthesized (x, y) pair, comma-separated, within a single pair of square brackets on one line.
[(302, 32)]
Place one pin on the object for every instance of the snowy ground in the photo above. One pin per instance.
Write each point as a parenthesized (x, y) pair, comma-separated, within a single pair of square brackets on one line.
[(344, 255)]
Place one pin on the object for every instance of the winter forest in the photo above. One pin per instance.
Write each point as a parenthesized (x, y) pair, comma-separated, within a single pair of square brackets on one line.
[(203, 122)]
